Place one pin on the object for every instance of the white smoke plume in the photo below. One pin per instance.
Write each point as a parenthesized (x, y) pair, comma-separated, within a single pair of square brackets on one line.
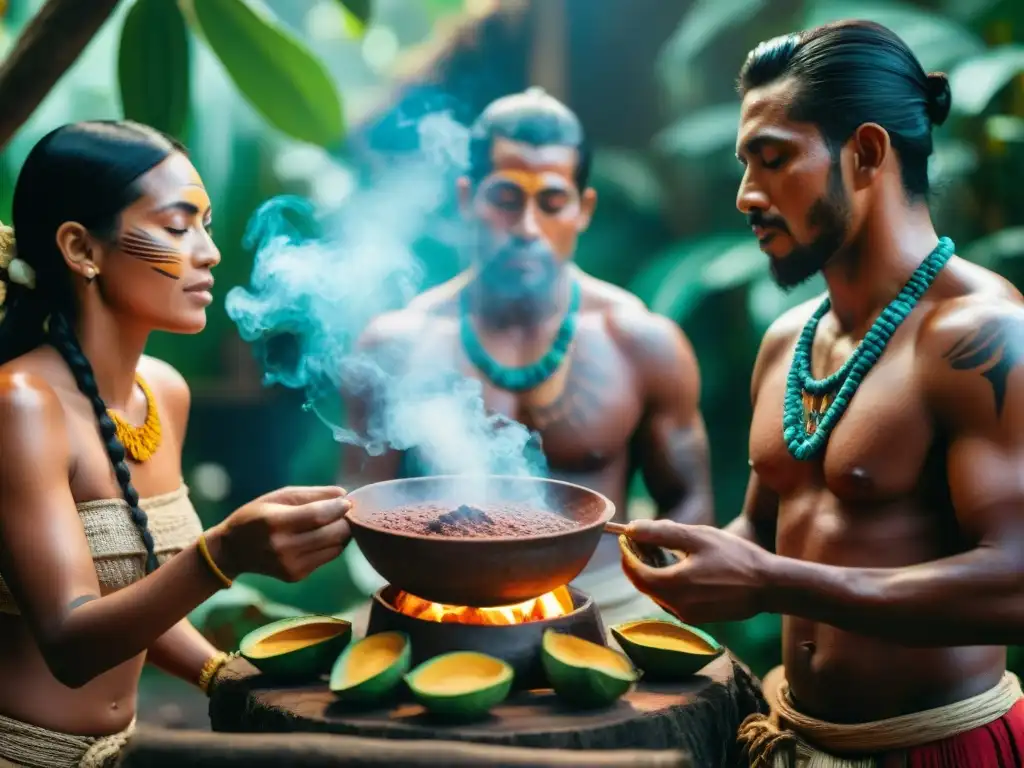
[(319, 278)]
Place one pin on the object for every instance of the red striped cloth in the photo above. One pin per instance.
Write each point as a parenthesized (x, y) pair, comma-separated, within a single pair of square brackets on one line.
[(1000, 744)]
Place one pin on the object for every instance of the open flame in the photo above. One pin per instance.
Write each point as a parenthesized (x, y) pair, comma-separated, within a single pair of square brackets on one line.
[(549, 606)]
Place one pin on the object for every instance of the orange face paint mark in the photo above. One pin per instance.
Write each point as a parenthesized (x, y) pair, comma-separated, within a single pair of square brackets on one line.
[(196, 195), (161, 256), (530, 182)]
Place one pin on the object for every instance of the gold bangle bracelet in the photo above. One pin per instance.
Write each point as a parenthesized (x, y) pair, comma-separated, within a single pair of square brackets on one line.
[(205, 551), (210, 669)]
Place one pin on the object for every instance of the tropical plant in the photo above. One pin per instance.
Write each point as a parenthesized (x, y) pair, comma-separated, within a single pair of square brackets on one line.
[(270, 65)]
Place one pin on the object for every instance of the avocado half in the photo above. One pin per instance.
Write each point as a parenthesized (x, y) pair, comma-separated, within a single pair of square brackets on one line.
[(461, 685), (299, 648), (666, 650), (583, 673), (371, 669)]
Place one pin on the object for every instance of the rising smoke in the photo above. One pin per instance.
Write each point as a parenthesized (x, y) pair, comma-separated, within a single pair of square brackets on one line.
[(319, 279)]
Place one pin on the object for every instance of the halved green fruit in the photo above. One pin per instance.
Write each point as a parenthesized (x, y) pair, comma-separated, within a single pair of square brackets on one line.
[(462, 684), (371, 669), (584, 673), (665, 650), (297, 648)]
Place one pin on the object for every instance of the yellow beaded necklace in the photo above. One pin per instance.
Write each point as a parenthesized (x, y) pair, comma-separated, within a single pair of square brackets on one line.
[(139, 442)]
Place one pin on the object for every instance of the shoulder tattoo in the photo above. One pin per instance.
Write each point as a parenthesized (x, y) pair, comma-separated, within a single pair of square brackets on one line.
[(993, 350)]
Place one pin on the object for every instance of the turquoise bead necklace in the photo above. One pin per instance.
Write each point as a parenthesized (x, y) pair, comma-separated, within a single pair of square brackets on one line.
[(839, 388), (528, 376)]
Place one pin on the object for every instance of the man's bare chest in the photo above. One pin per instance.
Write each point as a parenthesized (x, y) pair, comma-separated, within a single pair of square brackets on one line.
[(586, 412), (878, 450)]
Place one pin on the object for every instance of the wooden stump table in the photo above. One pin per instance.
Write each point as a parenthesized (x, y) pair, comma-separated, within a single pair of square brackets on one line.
[(698, 717)]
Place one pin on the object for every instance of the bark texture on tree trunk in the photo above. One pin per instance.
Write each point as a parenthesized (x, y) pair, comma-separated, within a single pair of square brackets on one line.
[(45, 50)]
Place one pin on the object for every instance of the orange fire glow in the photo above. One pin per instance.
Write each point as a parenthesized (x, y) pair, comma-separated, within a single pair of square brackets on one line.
[(552, 605)]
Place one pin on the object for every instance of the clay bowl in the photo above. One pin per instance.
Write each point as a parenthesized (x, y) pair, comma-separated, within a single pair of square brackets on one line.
[(484, 571)]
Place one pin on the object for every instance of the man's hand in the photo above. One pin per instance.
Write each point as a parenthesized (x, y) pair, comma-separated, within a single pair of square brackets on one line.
[(721, 577)]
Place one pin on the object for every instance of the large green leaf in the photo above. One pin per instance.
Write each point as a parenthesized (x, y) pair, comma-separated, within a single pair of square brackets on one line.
[(766, 300), (153, 66), (936, 40), (703, 23), (953, 159), (673, 284), (976, 81), (275, 71), (627, 173), (438, 9), (983, 14), (702, 132), (965, 10), (1005, 129), (357, 15), (360, 9), (690, 272), (992, 250)]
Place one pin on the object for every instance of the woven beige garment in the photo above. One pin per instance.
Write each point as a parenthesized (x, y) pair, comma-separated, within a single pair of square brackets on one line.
[(116, 544), (788, 739), (28, 746)]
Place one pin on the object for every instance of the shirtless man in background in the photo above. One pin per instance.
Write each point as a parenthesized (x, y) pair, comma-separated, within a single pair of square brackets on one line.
[(890, 535), (609, 386)]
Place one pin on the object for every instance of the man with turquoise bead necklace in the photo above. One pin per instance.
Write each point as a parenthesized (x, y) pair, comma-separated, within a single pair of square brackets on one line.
[(884, 517), (609, 386)]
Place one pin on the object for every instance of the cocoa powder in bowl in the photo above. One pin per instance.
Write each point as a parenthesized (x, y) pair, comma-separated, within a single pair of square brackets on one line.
[(466, 521)]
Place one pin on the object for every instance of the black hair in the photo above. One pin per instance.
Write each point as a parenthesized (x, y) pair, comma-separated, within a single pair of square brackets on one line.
[(86, 173), (848, 73), (531, 117)]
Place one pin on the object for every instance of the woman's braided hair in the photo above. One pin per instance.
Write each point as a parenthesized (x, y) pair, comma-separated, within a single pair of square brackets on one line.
[(86, 173)]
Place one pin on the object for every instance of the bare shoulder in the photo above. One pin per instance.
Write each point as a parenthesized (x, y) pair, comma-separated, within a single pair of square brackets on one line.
[(964, 279), (428, 312), (37, 461), (787, 326), (32, 414), (601, 296), (659, 349), (24, 393), (398, 330), (960, 329), (648, 338), (169, 387), (441, 299), (965, 299), (45, 364), (969, 351), (163, 377)]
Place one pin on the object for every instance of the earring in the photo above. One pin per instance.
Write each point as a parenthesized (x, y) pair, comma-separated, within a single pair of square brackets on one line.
[(90, 273)]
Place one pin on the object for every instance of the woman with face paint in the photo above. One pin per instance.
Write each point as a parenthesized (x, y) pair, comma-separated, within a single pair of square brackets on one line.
[(101, 554)]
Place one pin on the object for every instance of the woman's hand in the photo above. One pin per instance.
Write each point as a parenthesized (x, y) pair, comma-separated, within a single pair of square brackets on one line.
[(720, 578), (286, 534)]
